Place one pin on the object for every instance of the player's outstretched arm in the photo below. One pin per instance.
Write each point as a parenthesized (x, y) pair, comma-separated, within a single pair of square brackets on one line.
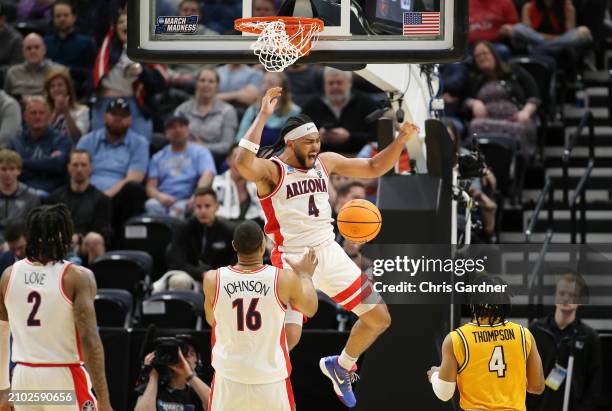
[(370, 167), (444, 378), (535, 373), (248, 164), (210, 287), (5, 335), (302, 293), (85, 320)]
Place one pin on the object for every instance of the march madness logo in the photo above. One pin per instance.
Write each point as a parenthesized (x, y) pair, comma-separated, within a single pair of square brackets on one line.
[(176, 25), (88, 406)]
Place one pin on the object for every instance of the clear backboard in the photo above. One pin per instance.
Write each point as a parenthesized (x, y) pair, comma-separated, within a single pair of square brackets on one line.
[(356, 31)]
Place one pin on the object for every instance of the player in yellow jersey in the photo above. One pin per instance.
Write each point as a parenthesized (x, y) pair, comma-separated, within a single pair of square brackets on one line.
[(494, 362)]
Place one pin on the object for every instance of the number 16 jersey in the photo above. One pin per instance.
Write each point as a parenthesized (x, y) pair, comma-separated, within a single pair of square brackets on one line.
[(298, 213)]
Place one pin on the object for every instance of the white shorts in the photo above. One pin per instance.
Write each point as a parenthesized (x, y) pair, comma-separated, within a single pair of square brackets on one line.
[(41, 379), (227, 395), (337, 276)]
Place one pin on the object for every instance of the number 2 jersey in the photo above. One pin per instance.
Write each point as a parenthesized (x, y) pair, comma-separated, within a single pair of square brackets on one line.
[(248, 338), (492, 362), (40, 315), (298, 213)]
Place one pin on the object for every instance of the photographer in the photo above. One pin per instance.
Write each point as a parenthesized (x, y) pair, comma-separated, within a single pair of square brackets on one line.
[(172, 382)]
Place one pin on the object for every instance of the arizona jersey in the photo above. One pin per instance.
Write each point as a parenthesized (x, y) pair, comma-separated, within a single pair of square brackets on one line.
[(492, 361), (298, 213), (248, 338), (40, 315)]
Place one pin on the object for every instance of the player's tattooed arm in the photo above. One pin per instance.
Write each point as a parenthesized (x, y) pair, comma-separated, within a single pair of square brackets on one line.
[(210, 287), (85, 319), (370, 167)]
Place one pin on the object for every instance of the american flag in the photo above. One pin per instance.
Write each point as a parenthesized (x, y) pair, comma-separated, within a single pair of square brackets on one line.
[(421, 23)]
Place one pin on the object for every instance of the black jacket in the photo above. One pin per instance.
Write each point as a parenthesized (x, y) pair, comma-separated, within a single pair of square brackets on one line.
[(196, 248), (553, 345)]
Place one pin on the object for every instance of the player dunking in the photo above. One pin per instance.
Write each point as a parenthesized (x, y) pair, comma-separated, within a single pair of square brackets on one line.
[(245, 306), (49, 305), (293, 190), (493, 361)]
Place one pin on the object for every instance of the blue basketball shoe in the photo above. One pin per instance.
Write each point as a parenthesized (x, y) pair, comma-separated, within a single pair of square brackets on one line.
[(341, 379)]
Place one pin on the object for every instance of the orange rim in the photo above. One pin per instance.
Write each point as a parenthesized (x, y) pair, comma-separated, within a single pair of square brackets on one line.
[(291, 23)]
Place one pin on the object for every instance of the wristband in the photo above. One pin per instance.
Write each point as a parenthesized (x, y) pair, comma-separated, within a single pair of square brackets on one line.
[(249, 145)]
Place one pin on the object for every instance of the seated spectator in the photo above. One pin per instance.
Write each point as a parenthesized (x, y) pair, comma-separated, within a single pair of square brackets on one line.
[(212, 121), (119, 158), (177, 170), (306, 82), (563, 332), (28, 78), (263, 8), (43, 151), (16, 199), (89, 207), (284, 109), (10, 118), (340, 114), (204, 241), (192, 8), (65, 46), (237, 197), (455, 77), (69, 118), (549, 26), (118, 76), (239, 84), (15, 236), (11, 52), (492, 21), (503, 99)]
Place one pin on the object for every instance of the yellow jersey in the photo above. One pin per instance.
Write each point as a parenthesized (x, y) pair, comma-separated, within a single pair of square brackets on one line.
[(492, 360)]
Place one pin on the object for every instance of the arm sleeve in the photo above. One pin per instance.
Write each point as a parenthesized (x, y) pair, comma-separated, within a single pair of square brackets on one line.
[(81, 118), (245, 123), (49, 164), (228, 131), (10, 123), (206, 162), (593, 377), (102, 218), (139, 160), (530, 87), (511, 13), (153, 171)]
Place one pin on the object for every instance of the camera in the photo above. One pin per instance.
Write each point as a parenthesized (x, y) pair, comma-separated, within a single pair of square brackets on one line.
[(471, 164), (166, 350)]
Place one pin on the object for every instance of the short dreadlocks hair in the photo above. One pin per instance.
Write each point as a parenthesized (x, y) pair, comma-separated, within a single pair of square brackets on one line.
[(493, 306), (49, 233)]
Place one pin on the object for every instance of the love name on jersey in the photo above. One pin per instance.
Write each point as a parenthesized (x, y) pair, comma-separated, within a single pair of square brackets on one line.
[(34, 278), (314, 185), (493, 335), (246, 285)]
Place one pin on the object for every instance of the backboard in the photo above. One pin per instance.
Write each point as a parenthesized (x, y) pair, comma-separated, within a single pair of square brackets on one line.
[(356, 31)]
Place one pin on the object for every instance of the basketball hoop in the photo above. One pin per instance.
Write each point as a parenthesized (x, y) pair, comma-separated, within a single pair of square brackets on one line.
[(282, 40)]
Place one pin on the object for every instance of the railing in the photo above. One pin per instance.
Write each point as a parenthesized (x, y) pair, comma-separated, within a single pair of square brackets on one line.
[(580, 190), (547, 195), (536, 275)]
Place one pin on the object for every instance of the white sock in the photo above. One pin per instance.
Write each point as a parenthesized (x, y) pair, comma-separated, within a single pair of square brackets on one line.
[(346, 361)]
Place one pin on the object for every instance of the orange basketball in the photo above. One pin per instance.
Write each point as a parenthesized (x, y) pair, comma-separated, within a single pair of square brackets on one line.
[(359, 221)]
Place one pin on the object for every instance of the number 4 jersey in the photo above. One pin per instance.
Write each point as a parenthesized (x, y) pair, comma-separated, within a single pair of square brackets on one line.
[(248, 338), (492, 360), (298, 213), (40, 315)]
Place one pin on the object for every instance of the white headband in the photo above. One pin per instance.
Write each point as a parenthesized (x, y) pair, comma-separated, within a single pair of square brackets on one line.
[(301, 131)]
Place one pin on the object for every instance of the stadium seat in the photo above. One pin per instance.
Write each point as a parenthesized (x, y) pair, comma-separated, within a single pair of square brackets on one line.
[(174, 309), (114, 308), (151, 234), (326, 317), (123, 269)]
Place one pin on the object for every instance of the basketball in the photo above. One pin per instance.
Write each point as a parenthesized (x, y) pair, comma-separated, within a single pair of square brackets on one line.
[(359, 221)]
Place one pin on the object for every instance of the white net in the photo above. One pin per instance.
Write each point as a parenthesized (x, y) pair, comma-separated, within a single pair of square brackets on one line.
[(277, 49)]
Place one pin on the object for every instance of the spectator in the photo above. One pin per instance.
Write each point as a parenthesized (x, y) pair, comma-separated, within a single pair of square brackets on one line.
[(192, 8), (94, 17), (69, 118), (284, 109), (177, 170), (43, 151), (34, 10), (204, 241), (16, 199), (492, 21), (238, 198), (89, 207), (264, 8), (549, 26), (212, 121), (555, 335), (115, 75), (28, 78), (11, 52), (239, 84), (15, 236), (119, 158), (10, 118), (221, 14), (306, 82), (503, 99), (65, 46), (340, 114)]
